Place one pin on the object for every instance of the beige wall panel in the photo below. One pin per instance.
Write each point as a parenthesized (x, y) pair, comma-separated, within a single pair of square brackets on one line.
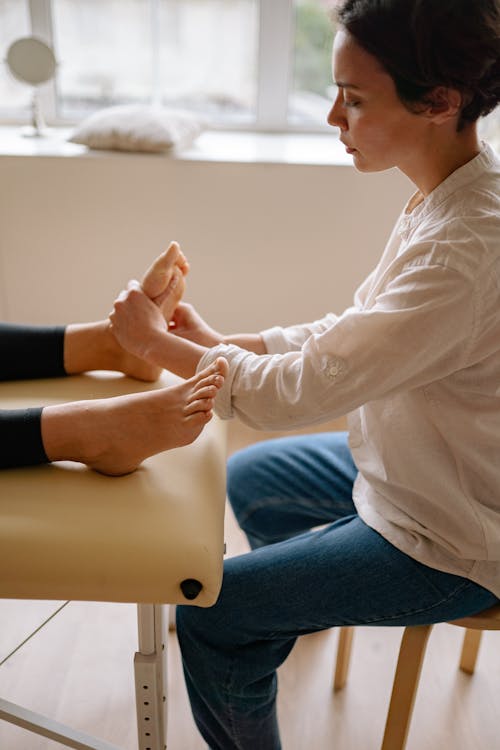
[(268, 243)]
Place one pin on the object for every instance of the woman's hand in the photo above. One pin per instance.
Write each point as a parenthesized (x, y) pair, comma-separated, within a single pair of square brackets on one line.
[(188, 324), (137, 323), (140, 328)]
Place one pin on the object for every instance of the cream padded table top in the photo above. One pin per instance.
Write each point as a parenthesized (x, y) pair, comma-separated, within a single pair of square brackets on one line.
[(67, 532)]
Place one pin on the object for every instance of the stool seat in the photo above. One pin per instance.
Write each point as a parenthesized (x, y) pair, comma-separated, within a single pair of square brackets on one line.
[(408, 669), (487, 620), (68, 532)]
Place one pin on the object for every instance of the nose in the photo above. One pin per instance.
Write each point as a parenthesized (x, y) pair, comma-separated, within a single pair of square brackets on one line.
[(336, 116)]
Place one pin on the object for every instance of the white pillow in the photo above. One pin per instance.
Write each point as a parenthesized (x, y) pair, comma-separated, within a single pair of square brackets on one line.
[(138, 128)]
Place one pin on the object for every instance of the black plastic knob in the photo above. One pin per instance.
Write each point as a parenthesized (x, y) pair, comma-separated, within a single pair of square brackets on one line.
[(190, 587)]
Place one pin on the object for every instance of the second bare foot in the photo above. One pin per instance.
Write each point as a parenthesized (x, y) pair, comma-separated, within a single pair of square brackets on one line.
[(156, 421), (114, 435)]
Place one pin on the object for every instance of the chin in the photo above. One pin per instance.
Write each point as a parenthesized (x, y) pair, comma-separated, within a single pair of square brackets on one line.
[(365, 165)]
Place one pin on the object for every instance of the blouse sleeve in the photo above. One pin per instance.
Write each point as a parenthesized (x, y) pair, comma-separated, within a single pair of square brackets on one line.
[(418, 329)]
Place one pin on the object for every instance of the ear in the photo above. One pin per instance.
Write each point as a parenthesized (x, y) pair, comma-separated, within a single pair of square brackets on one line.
[(443, 104)]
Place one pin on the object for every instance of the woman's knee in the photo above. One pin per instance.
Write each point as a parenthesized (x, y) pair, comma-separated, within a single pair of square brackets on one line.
[(279, 488), (246, 479)]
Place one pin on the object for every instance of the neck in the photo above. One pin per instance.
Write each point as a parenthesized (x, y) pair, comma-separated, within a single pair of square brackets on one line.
[(441, 154)]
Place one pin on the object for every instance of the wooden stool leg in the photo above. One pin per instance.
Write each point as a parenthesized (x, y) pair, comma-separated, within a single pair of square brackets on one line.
[(472, 639), (343, 657), (404, 689)]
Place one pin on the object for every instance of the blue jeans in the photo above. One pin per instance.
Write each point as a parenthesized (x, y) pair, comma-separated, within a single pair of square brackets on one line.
[(296, 581)]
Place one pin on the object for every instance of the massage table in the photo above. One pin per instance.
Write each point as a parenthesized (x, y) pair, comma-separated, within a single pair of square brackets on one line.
[(154, 537)]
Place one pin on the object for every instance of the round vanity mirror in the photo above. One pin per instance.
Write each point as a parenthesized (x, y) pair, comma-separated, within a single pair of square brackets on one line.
[(32, 61)]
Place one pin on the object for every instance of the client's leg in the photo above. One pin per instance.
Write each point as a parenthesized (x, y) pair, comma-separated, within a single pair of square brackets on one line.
[(31, 351), (92, 346), (115, 435)]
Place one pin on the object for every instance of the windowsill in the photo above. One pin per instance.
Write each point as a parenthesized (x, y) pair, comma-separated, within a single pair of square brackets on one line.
[(211, 146)]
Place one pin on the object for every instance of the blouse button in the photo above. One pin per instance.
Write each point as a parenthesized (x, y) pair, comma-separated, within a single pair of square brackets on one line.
[(333, 369)]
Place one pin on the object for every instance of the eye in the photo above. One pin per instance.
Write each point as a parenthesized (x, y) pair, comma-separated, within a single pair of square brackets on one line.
[(350, 100)]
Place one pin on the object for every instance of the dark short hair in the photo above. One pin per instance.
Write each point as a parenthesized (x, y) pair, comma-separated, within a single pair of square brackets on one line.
[(423, 44)]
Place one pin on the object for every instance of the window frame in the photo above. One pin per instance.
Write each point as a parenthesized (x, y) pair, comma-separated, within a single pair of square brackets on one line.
[(274, 69)]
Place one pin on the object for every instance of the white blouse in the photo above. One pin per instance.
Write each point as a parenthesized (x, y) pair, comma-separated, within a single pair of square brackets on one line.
[(415, 363)]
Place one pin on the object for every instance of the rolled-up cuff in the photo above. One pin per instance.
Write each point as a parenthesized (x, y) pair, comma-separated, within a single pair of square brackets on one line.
[(234, 355), (275, 340)]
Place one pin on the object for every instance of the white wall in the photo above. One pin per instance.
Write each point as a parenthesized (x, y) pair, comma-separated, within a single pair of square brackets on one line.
[(268, 243)]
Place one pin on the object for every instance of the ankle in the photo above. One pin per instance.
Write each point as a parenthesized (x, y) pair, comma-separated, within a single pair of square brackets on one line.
[(89, 346), (69, 432)]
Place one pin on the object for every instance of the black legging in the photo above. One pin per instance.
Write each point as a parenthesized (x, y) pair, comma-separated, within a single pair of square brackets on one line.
[(28, 352)]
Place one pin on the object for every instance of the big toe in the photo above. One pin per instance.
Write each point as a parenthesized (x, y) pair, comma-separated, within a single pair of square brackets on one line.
[(222, 366)]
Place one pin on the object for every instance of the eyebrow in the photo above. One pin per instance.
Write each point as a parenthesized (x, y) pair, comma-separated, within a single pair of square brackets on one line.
[(344, 85)]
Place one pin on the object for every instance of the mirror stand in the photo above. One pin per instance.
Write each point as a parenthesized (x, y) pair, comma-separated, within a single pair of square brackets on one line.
[(32, 61), (37, 129)]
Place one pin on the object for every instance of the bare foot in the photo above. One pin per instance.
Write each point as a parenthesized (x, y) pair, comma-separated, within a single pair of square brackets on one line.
[(93, 346), (113, 436), (164, 284), (164, 281)]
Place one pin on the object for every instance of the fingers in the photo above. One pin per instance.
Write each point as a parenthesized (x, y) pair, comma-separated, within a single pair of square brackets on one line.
[(182, 315), (133, 292), (135, 319)]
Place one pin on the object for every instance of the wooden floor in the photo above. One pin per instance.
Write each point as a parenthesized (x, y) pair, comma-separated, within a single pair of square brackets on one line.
[(79, 670)]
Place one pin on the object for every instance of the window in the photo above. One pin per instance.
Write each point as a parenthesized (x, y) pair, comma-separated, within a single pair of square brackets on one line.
[(262, 64), (14, 22), (254, 64), (312, 89), (196, 54), (489, 129)]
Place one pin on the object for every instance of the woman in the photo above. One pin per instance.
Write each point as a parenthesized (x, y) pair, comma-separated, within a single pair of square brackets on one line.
[(411, 499)]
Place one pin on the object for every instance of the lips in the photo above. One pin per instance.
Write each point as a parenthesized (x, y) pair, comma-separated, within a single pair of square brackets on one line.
[(348, 149)]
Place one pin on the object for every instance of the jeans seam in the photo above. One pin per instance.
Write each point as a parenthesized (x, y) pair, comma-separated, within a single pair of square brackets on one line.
[(264, 503), (444, 599), (275, 501), (228, 690)]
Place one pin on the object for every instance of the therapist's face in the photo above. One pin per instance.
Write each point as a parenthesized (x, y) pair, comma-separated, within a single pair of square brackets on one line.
[(375, 126)]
